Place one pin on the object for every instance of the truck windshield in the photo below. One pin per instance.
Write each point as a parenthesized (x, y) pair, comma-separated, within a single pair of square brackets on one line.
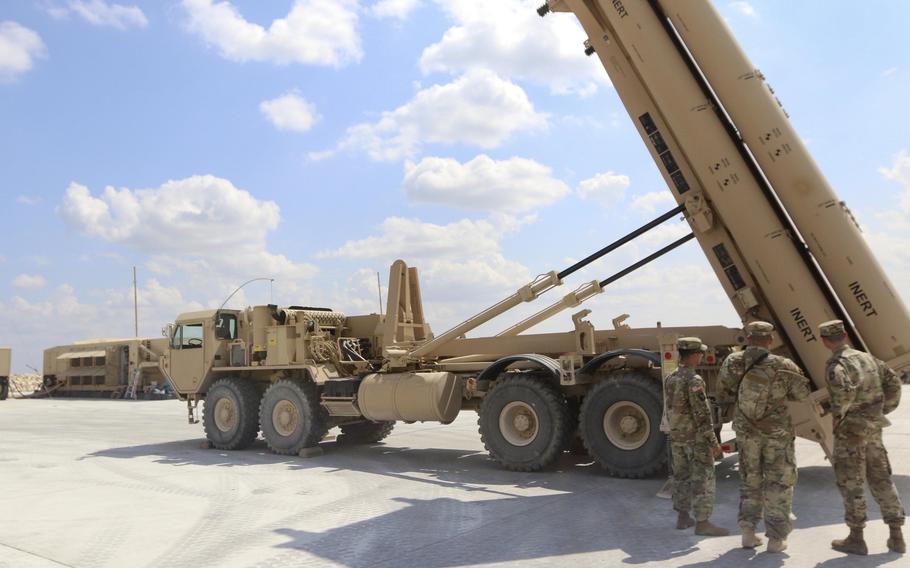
[(187, 336)]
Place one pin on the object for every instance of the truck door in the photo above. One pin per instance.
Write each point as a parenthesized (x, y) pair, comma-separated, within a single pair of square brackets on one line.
[(187, 356)]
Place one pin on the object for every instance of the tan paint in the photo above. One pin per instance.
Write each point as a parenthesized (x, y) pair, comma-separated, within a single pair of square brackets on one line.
[(878, 313), (434, 397), (105, 366), (651, 77), (5, 361)]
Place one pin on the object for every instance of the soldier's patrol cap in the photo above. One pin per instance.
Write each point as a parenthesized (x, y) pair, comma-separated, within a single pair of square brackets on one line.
[(833, 328), (759, 329), (690, 344)]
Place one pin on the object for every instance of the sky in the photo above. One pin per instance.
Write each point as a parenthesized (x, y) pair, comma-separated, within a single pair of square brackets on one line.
[(313, 142)]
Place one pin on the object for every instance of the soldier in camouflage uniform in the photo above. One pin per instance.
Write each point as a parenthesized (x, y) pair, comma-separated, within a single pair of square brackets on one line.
[(760, 384), (862, 391), (693, 444)]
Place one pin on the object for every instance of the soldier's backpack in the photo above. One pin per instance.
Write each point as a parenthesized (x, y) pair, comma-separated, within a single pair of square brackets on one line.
[(755, 390)]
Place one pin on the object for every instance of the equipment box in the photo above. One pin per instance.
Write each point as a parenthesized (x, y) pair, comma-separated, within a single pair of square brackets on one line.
[(5, 353)]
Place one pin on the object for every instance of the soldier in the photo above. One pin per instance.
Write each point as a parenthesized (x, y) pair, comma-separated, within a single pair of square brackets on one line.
[(761, 383), (862, 391), (693, 444)]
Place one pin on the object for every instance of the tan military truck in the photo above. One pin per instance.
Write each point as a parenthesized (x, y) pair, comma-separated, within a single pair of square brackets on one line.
[(783, 246), (115, 368), (293, 373), (5, 364)]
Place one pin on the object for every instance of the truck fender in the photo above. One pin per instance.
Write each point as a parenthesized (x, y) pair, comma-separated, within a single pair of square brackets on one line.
[(597, 362), (548, 364)]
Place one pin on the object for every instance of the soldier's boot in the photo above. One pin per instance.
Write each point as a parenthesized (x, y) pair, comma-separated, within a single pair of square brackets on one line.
[(750, 539), (684, 521), (853, 544), (777, 545), (706, 528), (896, 540)]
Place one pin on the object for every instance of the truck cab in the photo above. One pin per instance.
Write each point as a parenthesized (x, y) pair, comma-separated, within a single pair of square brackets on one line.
[(197, 342)]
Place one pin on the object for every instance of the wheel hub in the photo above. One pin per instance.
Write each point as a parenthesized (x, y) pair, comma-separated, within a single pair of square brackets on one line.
[(285, 417), (518, 423), (225, 414), (626, 425)]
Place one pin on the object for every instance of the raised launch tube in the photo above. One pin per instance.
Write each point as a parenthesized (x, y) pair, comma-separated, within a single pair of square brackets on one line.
[(666, 102), (878, 313)]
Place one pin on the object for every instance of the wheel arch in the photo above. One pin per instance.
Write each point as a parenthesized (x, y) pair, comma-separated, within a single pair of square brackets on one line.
[(547, 364), (594, 365)]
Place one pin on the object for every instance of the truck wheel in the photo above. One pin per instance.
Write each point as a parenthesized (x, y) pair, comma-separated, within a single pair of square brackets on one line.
[(365, 432), (229, 415), (620, 425), (291, 416), (523, 423)]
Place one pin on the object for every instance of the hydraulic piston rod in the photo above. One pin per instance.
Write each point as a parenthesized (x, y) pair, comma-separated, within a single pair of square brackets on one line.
[(619, 242), (589, 290), (533, 290)]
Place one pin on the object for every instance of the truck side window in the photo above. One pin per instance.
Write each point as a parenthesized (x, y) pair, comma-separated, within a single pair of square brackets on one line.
[(187, 336), (226, 327)]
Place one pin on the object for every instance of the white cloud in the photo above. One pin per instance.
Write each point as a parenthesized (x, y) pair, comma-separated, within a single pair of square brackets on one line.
[(19, 47), (508, 37), (890, 239), (200, 226), (456, 259), (651, 202), (290, 112), (29, 281), (891, 71), (28, 200), (512, 185), (102, 13), (665, 234), (899, 172), (398, 9), (96, 314), (479, 109), (315, 32), (698, 299), (607, 188), (745, 8)]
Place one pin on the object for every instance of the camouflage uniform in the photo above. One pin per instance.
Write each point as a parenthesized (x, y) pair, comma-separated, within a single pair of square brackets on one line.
[(767, 465), (862, 390), (692, 442)]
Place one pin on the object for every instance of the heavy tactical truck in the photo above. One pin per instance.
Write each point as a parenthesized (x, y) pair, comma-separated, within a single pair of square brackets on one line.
[(5, 363), (783, 246)]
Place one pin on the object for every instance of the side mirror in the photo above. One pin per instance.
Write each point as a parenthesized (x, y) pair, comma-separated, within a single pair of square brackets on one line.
[(168, 330)]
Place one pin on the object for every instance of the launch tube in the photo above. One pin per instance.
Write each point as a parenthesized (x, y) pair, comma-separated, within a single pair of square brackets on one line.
[(878, 313), (632, 44)]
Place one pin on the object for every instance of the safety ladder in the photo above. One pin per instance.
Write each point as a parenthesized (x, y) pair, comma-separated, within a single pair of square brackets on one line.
[(133, 386)]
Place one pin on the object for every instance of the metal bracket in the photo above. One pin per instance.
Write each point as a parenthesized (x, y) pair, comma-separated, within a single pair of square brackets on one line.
[(192, 411)]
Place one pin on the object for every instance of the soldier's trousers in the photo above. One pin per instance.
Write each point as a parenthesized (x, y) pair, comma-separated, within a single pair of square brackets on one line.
[(767, 471), (693, 478), (856, 461)]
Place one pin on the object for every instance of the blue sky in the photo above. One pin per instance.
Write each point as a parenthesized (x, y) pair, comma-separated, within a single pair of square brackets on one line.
[(315, 141)]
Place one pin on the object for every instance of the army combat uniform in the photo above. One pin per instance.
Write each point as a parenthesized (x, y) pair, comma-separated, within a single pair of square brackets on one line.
[(761, 384), (692, 441), (862, 391)]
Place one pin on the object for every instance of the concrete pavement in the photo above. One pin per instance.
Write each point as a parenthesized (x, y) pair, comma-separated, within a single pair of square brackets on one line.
[(92, 483)]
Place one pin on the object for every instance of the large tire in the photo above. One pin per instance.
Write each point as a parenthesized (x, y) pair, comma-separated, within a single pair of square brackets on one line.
[(291, 417), (230, 414), (620, 425), (524, 423), (365, 432)]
